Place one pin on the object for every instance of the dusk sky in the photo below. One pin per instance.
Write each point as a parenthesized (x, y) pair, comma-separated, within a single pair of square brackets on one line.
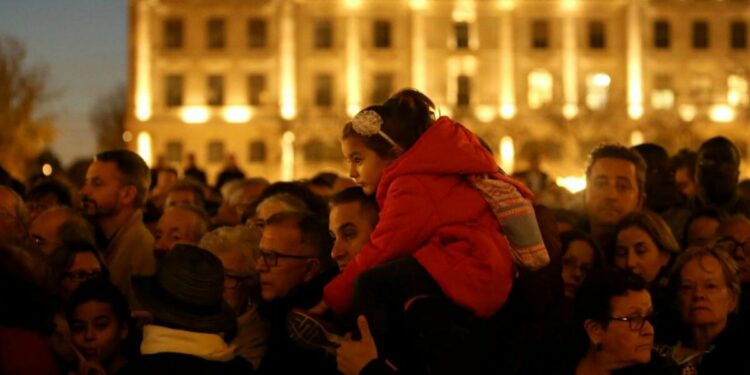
[(83, 44)]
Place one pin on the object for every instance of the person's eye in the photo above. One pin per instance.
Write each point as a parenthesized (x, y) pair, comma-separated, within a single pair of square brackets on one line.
[(357, 161)]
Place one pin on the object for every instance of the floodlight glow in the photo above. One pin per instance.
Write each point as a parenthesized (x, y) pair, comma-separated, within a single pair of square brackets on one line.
[(194, 114), (573, 184), (237, 114), (144, 147), (485, 113), (721, 113), (507, 154), (47, 169)]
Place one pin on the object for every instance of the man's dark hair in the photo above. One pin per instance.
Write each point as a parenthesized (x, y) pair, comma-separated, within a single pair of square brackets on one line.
[(100, 290), (327, 179), (685, 159), (367, 204), (617, 151), (313, 230), (54, 187), (720, 142), (134, 170), (193, 187)]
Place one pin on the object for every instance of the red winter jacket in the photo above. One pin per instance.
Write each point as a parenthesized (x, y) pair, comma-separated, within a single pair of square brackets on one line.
[(430, 211)]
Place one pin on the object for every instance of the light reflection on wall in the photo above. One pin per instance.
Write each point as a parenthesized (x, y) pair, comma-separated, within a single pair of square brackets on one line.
[(721, 113), (353, 89), (237, 114), (142, 69), (287, 156), (194, 114), (286, 51), (540, 88), (737, 91), (634, 64), (507, 154), (573, 184), (144, 147)]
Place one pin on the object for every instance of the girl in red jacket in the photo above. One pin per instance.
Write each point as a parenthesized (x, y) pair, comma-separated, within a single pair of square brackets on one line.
[(436, 234)]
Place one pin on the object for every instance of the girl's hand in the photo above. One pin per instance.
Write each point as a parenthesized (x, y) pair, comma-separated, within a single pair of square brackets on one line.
[(352, 356), (319, 309)]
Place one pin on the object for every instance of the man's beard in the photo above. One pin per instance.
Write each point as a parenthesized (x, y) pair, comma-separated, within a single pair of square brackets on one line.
[(91, 209)]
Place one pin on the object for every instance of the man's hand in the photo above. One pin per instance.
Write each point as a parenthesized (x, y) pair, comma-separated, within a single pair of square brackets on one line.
[(352, 356)]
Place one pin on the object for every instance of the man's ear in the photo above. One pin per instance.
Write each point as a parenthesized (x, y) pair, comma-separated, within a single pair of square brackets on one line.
[(641, 200), (128, 194), (313, 268)]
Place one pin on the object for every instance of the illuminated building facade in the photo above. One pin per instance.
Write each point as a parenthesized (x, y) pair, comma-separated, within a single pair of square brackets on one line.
[(273, 81)]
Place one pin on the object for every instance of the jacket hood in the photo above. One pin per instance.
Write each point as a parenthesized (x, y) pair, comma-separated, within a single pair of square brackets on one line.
[(447, 147)]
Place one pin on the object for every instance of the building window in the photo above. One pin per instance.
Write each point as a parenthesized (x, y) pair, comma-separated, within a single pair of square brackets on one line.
[(662, 96), (539, 34), (700, 34), (173, 33), (174, 152), (540, 88), (256, 33), (597, 35), (463, 96), (215, 89), (381, 33), (215, 152), (323, 90), (323, 34), (257, 152), (737, 91), (382, 87), (215, 30), (462, 34), (173, 92), (597, 91), (738, 31), (661, 34), (256, 89)]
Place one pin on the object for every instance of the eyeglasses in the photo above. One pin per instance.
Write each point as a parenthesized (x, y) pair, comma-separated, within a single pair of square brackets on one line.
[(82, 275), (271, 258), (231, 281), (636, 323), (729, 244)]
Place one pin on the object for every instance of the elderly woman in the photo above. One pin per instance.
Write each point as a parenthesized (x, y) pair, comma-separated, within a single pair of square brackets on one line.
[(237, 248), (614, 327), (708, 289)]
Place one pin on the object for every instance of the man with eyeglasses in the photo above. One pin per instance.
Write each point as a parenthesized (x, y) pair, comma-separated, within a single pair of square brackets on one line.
[(717, 174), (294, 266)]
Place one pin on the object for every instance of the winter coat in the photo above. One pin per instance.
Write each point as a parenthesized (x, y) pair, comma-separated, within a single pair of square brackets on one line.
[(429, 210)]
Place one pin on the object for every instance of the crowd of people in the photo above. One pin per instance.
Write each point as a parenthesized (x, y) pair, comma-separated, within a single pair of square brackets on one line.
[(426, 259)]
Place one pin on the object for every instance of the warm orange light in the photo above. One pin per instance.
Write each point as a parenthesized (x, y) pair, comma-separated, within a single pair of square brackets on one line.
[(194, 114), (572, 184), (144, 147), (237, 114)]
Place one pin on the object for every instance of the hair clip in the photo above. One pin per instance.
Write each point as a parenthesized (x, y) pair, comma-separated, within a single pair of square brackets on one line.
[(368, 123)]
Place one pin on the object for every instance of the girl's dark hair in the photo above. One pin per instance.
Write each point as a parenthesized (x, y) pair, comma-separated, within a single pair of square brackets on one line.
[(568, 237), (406, 116), (62, 258)]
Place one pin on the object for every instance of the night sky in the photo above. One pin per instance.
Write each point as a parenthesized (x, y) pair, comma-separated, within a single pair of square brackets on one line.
[(84, 45)]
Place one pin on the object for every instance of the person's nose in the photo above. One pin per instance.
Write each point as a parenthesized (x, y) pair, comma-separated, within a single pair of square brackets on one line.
[(632, 261), (339, 250), (647, 329), (89, 333), (260, 265), (353, 171)]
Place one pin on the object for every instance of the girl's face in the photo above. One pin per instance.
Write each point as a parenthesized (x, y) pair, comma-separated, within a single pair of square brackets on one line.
[(85, 266), (96, 332), (365, 166), (577, 262), (636, 251)]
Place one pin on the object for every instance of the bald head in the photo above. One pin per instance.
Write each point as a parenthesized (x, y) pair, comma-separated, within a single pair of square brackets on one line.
[(179, 224), (44, 231)]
